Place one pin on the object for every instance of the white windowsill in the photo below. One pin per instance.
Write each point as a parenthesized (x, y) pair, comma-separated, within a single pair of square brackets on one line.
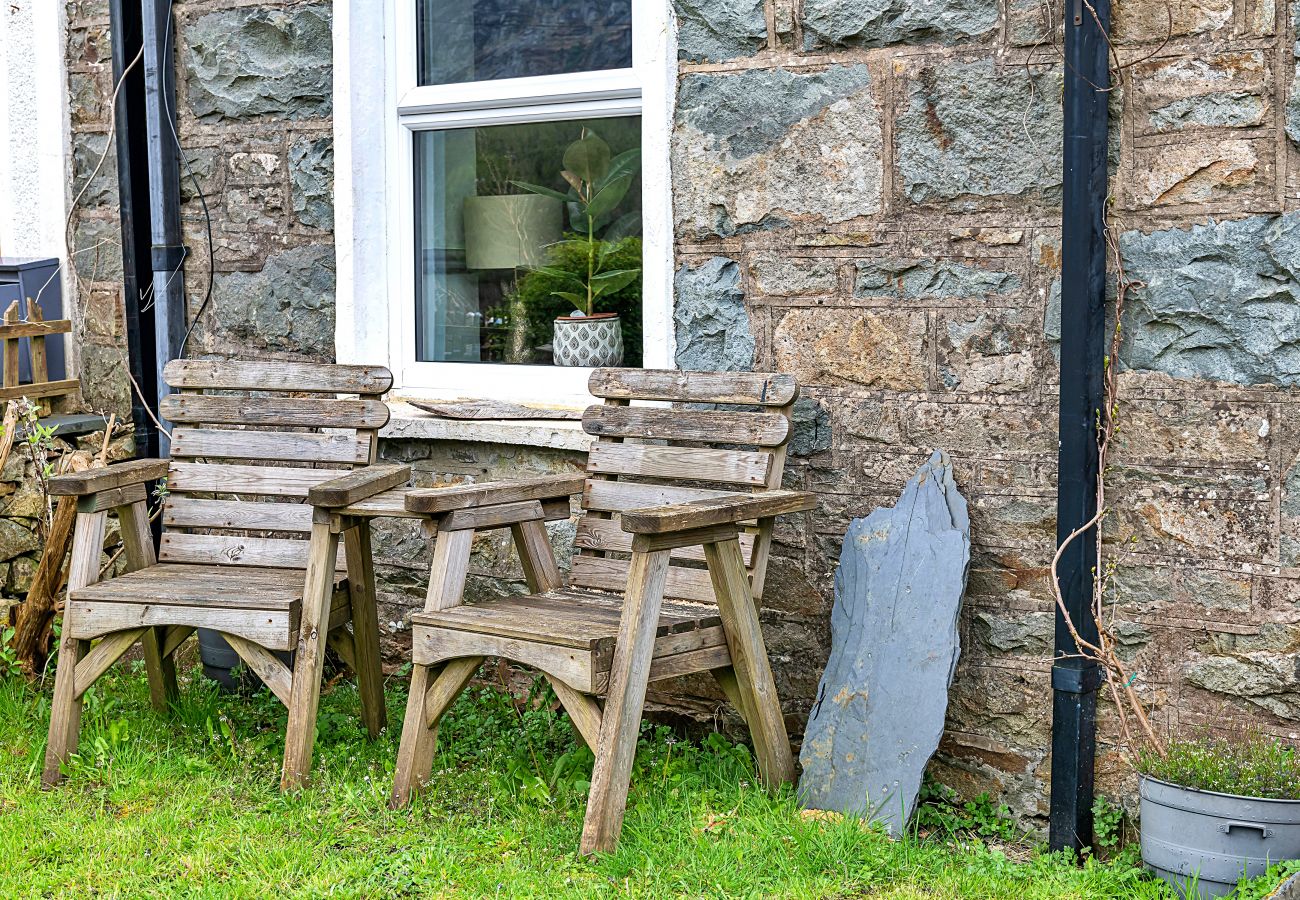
[(411, 424)]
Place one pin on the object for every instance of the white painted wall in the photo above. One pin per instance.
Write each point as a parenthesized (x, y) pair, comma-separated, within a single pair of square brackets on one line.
[(33, 129)]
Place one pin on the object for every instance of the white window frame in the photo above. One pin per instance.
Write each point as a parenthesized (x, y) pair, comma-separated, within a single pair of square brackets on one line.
[(379, 106)]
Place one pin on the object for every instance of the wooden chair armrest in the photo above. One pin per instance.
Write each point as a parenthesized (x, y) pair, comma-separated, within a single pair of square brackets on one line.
[(428, 501), (357, 485), (94, 481), (716, 511)]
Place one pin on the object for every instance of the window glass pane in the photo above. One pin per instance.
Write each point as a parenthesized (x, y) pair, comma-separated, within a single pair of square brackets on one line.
[(518, 224), (482, 40)]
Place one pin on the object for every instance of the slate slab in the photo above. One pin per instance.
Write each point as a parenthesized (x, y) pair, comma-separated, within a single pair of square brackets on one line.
[(894, 647)]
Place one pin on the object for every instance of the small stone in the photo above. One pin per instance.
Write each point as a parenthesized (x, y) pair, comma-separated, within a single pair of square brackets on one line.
[(87, 151), (712, 325), (21, 572), (248, 62), (785, 276), (16, 539), (714, 30), (311, 168), (873, 348), (877, 23), (97, 245), (1026, 633), (1226, 110), (881, 703), (912, 278), (811, 427), (1200, 172)]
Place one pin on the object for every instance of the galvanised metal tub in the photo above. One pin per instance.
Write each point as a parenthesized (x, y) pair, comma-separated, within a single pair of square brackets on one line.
[(1212, 839)]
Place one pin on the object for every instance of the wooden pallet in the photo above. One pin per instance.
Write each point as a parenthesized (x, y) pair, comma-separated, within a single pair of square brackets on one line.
[(35, 330)]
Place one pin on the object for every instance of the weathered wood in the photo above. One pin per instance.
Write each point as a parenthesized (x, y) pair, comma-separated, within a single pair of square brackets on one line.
[(65, 708), (583, 711), (431, 501), (357, 485), (367, 662), (90, 481), (619, 496), (236, 550), (10, 340), (432, 646), (137, 541), (536, 556), (739, 467), (174, 636), (716, 511), (749, 660), (501, 514), (46, 389), (447, 687), (264, 481), (272, 628), (12, 331), (687, 537), (725, 676), (764, 429), (282, 411), (110, 499), (105, 653), (389, 504), (608, 536), (192, 512), (621, 721), (493, 409), (740, 388), (611, 574), (340, 640), (446, 590), (701, 660), (262, 375), (36, 347), (209, 586), (271, 446), (310, 657), (274, 674)]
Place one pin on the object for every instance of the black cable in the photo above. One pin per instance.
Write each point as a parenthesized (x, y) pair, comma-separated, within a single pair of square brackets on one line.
[(189, 169)]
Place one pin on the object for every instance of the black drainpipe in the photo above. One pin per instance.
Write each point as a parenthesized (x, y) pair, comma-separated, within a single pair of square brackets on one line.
[(1083, 338), (165, 191), (133, 204)]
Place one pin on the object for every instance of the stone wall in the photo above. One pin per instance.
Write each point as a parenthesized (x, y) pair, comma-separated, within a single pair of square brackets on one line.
[(867, 195), (882, 183)]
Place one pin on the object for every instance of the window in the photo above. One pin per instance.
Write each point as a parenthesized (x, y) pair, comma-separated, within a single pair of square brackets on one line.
[(524, 176)]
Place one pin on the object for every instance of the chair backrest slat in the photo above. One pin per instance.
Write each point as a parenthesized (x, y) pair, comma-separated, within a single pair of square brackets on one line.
[(249, 375), (655, 455), (242, 465), (737, 467), (279, 446), (672, 385)]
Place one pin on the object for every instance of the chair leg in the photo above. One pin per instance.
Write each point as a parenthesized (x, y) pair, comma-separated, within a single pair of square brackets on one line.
[(433, 690), (584, 711), (163, 689), (65, 711), (138, 543), (754, 682), (365, 628), (310, 657), (621, 722)]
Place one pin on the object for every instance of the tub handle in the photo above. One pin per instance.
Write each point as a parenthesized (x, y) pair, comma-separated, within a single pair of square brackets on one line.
[(1264, 830)]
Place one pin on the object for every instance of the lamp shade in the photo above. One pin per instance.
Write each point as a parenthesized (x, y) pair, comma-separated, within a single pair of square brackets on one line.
[(509, 231)]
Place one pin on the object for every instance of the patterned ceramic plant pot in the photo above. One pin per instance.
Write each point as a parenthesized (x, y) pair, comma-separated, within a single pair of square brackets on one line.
[(588, 340)]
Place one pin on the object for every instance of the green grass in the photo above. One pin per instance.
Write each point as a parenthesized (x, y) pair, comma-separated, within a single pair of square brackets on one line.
[(188, 806)]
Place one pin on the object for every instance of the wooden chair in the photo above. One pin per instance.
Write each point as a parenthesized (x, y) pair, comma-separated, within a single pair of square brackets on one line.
[(677, 518), (235, 556)]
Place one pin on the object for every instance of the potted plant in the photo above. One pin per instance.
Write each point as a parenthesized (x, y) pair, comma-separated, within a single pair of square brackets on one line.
[(598, 184), (1215, 809)]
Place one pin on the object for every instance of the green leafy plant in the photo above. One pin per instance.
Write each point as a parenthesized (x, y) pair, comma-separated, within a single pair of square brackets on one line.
[(598, 183), (1107, 823), (939, 809), (1250, 764)]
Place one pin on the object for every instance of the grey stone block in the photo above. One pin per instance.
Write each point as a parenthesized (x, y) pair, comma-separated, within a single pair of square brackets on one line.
[(249, 62), (970, 129), (288, 306), (882, 700), (875, 23), (712, 326), (714, 30), (311, 169), (1218, 301)]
